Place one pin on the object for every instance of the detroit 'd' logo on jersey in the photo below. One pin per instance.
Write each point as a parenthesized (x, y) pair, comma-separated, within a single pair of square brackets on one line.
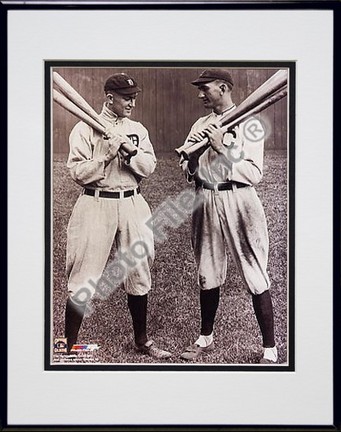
[(134, 139)]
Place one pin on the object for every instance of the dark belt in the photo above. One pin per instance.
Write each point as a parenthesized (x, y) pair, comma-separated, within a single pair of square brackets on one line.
[(219, 186), (114, 195)]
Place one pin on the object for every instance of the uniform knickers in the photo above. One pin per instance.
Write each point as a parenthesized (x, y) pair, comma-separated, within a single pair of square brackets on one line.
[(235, 219), (94, 225)]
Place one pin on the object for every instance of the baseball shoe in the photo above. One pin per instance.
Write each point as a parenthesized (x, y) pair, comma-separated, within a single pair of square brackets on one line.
[(149, 348), (266, 361), (194, 351), (270, 356)]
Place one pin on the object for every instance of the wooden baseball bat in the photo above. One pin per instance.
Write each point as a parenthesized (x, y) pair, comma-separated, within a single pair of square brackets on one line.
[(83, 105), (281, 93), (74, 109), (275, 83), (75, 97)]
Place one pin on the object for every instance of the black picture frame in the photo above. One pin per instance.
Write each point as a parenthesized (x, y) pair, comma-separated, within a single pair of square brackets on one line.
[(302, 5)]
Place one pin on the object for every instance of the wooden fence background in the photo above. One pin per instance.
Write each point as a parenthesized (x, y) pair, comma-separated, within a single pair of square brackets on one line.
[(168, 104)]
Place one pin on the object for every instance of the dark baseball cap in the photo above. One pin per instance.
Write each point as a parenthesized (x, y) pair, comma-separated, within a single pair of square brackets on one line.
[(210, 75), (121, 83)]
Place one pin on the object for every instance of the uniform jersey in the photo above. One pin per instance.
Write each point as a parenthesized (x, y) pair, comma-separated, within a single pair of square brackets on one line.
[(245, 156), (87, 149)]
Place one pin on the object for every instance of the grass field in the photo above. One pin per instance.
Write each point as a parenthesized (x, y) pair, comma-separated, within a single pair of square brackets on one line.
[(173, 318)]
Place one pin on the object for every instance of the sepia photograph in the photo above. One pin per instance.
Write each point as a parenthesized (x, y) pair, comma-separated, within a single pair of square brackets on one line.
[(169, 215), (172, 221)]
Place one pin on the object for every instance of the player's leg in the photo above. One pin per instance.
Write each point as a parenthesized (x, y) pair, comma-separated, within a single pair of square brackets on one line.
[(210, 257), (209, 302), (74, 313), (90, 235), (138, 310), (262, 304), (246, 232), (135, 244)]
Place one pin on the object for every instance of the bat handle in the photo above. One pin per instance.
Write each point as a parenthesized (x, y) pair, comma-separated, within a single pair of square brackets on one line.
[(129, 148), (126, 156), (187, 152)]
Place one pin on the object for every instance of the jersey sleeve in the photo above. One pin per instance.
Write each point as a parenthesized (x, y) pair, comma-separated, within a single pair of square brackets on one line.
[(84, 169), (144, 162)]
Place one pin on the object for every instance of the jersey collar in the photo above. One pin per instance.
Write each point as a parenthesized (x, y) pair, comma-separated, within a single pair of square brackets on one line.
[(231, 108), (109, 115)]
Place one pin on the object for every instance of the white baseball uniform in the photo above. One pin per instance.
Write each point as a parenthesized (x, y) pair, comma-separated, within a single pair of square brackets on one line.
[(229, 217), (97, 222)]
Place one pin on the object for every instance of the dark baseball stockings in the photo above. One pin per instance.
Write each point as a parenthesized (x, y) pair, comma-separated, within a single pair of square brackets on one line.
[(209, 301), (138, 310), (73, 319), (262, 305)]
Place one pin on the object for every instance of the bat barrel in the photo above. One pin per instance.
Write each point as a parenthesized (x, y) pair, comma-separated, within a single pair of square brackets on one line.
[(75, 97), (75, 110), (231, 121)]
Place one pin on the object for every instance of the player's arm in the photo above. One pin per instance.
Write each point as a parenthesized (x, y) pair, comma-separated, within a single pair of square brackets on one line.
[(144, 162), (84, 168), (248, 167), (245, 157), (190, 166)]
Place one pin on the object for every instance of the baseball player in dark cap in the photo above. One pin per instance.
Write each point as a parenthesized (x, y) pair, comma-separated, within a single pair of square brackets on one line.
[(111, 209), (227, 211)]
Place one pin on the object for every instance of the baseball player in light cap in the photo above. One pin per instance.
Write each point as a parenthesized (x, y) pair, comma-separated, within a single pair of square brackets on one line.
[(111, 209), (227, 211)]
